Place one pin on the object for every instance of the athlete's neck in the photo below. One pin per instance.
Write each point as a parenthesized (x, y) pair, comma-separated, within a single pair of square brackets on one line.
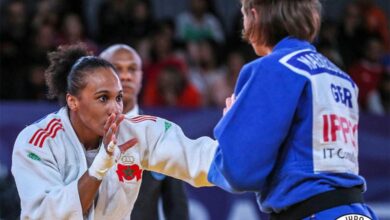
[(86, 137), (129, 105)]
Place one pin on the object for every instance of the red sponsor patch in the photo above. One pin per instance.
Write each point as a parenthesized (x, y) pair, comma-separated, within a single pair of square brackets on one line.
[(336, 127), (50, 130), (128, 172)]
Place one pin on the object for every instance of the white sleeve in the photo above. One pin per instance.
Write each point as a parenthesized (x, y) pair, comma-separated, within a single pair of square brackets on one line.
[(43, 194), (165, 149)]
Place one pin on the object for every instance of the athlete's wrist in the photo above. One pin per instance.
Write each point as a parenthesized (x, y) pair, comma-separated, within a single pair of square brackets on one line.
[(103, 161)]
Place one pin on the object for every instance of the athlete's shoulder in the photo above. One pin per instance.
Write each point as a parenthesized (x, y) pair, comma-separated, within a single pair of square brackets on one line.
[(140, 118), (40, 131), (138, 122), (250, 69), (254, 64)]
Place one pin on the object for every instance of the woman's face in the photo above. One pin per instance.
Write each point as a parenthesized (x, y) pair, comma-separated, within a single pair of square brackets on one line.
[(101, 97)]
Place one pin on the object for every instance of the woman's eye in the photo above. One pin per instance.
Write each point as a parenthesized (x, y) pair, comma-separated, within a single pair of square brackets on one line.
[(119, 98), (103, 98)]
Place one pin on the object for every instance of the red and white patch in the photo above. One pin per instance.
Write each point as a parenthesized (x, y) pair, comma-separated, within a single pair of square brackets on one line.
[(129, 173), (51, 130)]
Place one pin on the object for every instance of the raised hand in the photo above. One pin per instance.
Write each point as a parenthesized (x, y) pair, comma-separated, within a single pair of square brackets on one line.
[(229, 101), (110, 130), (108, 152)]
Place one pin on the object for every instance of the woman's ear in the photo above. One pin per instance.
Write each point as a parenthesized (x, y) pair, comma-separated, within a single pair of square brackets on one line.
[(254, 14), (72, 102)]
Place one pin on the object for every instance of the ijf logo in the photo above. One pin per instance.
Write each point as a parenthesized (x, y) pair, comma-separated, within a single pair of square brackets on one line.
[(353, 217)]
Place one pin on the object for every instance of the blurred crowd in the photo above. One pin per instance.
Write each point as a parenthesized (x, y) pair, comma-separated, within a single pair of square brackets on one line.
[(190, 59)]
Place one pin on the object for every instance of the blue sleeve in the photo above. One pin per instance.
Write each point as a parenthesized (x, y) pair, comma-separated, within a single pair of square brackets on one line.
[(256, 126)]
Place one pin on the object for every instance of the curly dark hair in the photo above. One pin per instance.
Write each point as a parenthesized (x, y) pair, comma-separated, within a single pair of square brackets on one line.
[(69, 65)]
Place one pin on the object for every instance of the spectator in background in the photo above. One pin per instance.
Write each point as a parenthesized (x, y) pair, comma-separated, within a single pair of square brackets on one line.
[(368, 71), (205, 72), (379, 100), (235, 62), (162, 53), (327, 43), (351, 34), (90, 14), (45, 29), (197, 24), (42, 40), (375, 21), (332, 53), (14, 37), (14, 24), (114, 19), (142, 21), (328, 33), (72, 32), (36, 85), (172, 88), (223, 84), (154, 186), (47, 12)]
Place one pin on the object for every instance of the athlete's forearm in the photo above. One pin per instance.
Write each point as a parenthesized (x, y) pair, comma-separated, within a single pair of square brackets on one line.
[(89, 183), (88, 187)]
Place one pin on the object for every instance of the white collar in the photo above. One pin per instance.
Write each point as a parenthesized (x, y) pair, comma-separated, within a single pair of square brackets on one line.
[(133, 112)]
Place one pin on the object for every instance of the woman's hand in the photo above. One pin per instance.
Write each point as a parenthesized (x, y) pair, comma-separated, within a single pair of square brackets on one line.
[(108, 151), (110, 130), (229, 103)]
